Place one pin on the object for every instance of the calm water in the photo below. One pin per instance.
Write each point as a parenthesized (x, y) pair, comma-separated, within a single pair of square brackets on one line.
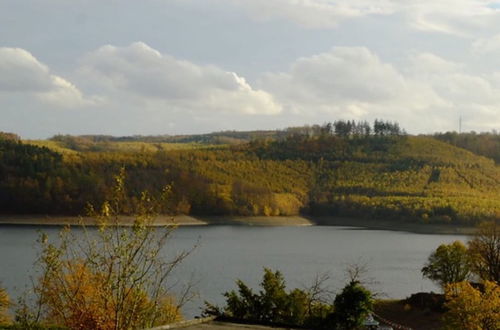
[(226, 253)]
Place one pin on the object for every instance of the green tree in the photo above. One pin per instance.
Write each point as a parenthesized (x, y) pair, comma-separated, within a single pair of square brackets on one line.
[(352, 306), (448, 264), (309, 308), (273, 304), (484, 249), (243, 304), (274, 299)]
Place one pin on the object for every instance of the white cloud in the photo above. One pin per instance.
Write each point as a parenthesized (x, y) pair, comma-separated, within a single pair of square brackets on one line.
[(464, 18), (21, 72), (315, 13), (458, 17), (452, 82), (145, 76), (143, 91), (487, 45), (429, 63), (346, 79), (428, 94), (22, 75)]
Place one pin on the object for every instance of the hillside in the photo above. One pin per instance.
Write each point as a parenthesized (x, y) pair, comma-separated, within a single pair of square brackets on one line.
[(404, 178), (484, 144)]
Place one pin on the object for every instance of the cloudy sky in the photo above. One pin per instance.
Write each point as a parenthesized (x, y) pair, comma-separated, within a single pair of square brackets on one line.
[(126, 67)]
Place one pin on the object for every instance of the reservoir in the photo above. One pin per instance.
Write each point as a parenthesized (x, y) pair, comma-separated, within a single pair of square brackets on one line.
[(225, 253)]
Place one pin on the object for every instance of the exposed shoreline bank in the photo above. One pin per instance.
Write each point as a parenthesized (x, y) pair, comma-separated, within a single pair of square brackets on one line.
[(184, 220), (38, 220), (412, 227)]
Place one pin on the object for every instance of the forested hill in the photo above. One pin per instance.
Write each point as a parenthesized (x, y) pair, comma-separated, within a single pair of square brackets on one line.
[(383, 175)]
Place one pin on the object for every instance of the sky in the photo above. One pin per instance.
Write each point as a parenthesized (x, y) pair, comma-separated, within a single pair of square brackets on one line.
[(127, 67)]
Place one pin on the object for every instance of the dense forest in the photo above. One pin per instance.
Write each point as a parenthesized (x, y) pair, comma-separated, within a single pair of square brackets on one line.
[(345, 168)]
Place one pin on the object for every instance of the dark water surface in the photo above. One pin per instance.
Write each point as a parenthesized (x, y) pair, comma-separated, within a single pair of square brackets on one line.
[(227, 253)]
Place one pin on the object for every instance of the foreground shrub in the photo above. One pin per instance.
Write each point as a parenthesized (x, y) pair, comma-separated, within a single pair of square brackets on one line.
[(112, 278)]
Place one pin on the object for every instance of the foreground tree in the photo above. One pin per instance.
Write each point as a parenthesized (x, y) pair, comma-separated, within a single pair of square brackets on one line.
[(484, 249), (307, 308), (112, 278), (274, 304), (4, 305), (352, 306), (448, 264), (471, 308)]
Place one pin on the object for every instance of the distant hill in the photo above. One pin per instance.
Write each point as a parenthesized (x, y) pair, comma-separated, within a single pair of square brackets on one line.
[(348, 170), (83, 142), (215, 138)]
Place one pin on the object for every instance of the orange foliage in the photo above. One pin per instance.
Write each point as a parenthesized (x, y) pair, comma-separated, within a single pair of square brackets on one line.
[(81, 299)]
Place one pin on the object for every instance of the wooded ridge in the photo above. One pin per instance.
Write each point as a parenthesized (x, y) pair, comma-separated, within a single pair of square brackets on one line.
[(341, 169)]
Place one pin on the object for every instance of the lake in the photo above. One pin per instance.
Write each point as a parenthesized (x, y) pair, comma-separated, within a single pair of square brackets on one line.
[(227, 253)]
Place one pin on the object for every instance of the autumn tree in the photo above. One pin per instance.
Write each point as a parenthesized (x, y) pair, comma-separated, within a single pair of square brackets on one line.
[(484, 250), (471, 308), (448, 264), (112, 278), (4, 305)]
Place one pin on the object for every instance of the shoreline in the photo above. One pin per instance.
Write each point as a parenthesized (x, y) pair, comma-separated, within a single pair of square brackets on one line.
[(58, 220), (392, 225), (262, 221)]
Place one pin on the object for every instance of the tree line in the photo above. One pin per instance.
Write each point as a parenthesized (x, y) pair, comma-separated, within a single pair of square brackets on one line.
[(484, 144)]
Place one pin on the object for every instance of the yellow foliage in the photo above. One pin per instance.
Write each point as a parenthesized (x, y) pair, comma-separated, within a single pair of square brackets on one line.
[(469, 308), (4, 304), (287, 204)]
